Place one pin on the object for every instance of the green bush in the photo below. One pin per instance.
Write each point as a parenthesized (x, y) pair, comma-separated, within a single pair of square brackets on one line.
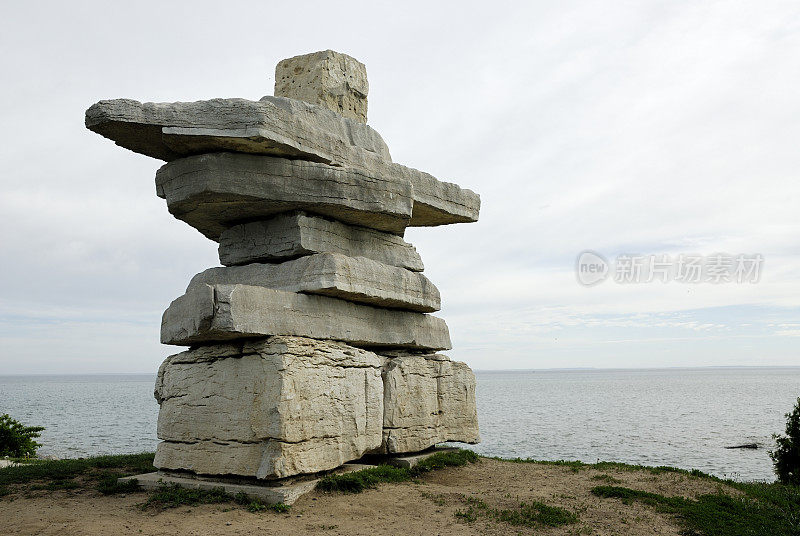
[(16, 439), (786, 456)]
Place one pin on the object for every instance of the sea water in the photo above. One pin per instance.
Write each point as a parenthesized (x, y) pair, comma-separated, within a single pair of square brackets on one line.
[(679, 417)]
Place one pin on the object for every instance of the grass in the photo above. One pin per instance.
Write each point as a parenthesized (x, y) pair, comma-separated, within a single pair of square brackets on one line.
[(527, 514), (358, 481), (99, 472), (577, 466), (764, 509), (174, 496), (63, 470)]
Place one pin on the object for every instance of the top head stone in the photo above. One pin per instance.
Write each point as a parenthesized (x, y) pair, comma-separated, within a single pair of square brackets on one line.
[(327, 78)]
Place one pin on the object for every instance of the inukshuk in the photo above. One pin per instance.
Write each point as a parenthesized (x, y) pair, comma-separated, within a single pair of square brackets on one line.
[(312, 345)]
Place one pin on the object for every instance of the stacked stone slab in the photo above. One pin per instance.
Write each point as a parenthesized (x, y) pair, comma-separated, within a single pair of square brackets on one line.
[(313, 344)]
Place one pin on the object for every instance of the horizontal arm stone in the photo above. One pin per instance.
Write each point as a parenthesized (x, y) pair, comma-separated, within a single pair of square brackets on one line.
[(212, 192)]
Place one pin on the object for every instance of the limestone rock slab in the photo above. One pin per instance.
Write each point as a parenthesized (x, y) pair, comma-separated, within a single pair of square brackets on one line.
[(296, 234), (280, 127), (273, 125), (428, 399), (217, 313), (355, 279), (269, 408), (331, 79), (212, 192)]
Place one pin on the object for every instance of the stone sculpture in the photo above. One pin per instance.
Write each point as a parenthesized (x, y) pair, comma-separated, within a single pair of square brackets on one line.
[(313, 344)]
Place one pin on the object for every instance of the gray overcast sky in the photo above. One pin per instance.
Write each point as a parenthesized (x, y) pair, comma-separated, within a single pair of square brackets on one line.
[(622, 127)]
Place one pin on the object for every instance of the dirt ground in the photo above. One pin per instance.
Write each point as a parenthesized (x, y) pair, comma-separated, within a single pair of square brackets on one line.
[(426, 507)]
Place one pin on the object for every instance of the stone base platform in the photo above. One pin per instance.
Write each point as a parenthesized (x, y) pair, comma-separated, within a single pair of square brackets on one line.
[(285, 491)]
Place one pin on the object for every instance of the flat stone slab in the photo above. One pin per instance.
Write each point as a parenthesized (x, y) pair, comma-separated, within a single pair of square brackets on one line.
[(331, 79), (218, 313), (295, 234), (285, 491), (355, 279), (269, 408), (275, 126), (427, 400), (212, 192)]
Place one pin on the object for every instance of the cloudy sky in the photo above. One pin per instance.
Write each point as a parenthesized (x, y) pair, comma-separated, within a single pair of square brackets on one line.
[(620, 127)]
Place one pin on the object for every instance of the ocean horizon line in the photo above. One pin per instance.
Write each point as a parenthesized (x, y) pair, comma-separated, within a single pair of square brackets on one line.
[(551, 369)]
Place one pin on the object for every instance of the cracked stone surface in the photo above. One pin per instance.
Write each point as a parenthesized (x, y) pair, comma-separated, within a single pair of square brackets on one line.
[(268, 408), (273, 125), (331, 79), (296, 234), (427, 399), (207, 314), (212, 192), (276, 126), (355, 279)]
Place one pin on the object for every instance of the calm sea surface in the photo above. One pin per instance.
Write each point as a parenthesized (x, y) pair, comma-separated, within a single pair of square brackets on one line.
[(679, 417)]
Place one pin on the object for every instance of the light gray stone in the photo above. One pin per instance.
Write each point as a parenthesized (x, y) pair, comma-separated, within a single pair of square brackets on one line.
[(295, 234), (331, 79), (355, 279), (212, 192), (273, 125), (269, 408), (280, 127), (427, 399), (217, 313)]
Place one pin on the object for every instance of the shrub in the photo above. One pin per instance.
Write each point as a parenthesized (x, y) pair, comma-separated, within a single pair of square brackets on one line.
[(786, 456), (16, 439)]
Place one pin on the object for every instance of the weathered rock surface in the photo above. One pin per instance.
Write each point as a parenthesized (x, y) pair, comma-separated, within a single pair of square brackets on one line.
[(212, 192), (280, 127), (355, 279), (296, 234), (427, 399), (273, 125), (331, 79), (218, 313), (269, 408)]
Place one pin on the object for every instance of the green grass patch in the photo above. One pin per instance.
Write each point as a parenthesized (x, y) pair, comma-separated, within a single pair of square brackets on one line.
[(606, 478), (577, 466), (110, 485), (440, 460), (62, 470), (358, 481), (527, 514), (55, 485), (765, 509), (174, 496)]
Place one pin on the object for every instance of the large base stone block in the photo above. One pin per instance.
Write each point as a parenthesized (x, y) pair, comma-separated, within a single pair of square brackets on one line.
[(331, 79), (212, 192), (427, 399), (295, 234), (355, 279), (269, 408), (207, 314)]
